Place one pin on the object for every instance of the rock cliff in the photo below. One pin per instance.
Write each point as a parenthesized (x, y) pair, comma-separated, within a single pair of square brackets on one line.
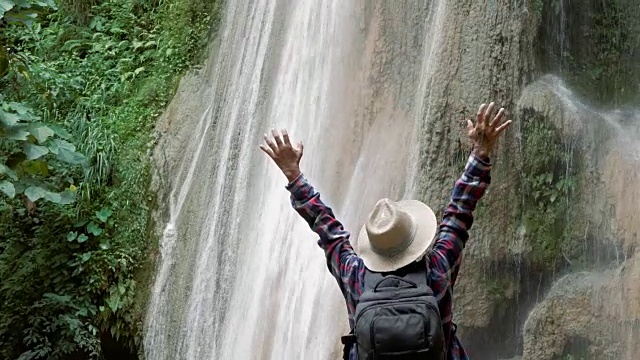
[(551, 270)]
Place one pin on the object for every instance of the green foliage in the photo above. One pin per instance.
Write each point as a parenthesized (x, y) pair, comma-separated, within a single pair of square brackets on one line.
[(103, 71), (23, 12), (60, 292), (34, 157), (548, 179), (612, 69), (593, 44), (538, 8), (499, 286)]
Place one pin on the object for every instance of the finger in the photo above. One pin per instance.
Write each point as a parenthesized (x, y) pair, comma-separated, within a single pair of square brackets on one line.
[(498, 119), (480, 114), (285, 137), (301, 148), (503, 127), (273, 146), (469, 125), (267, 151), (488, 112), (276, 137)]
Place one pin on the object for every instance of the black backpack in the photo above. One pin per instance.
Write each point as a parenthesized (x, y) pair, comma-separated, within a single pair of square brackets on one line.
[(397, 318)]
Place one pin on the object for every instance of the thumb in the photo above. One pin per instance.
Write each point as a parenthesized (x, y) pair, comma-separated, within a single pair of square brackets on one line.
[(469, 126), (300, 148)]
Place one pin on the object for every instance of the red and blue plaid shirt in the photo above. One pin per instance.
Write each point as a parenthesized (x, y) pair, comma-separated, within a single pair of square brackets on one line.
[(443, 259)]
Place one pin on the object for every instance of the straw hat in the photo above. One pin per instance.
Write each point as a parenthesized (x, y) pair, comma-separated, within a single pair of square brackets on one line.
[(395, 234)]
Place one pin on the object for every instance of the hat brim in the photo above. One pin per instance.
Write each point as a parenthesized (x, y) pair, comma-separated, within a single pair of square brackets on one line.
[(424, 219)]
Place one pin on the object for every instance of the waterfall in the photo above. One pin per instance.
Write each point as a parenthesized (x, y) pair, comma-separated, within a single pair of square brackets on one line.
[(240, 274)]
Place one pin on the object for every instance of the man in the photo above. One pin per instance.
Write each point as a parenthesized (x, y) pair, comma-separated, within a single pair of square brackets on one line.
[(403, 262)]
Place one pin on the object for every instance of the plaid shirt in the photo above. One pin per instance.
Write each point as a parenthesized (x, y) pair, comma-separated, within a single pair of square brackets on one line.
[(443, 260)]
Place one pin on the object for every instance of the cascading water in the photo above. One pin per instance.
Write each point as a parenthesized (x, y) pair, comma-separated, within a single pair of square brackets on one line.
[(240, 275), (593, 313)]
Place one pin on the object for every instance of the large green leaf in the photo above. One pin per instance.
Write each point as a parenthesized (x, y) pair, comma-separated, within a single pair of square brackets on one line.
[(37, 167), (4, 169), (52, 197), (26, 17), (63, 198), (9, 119), (20, 108), (35, 193), (58, 130), (35, 151), (67, 152), (67, 197), (7, 188), (5, 5), (58, 144), (40, 132), (113, 302), (16, 133), (71, 157)]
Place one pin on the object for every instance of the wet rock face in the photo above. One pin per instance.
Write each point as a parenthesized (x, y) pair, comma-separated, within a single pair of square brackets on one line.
[(508, 301), (620, 171), (485, 53), (173, 132), (589, 314), (593, 315), (591, 44), (565, 315), (502, 286), (561, 197)]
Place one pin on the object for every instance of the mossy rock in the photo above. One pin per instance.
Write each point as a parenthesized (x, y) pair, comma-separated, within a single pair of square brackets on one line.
[(547, 181), (593, 45)]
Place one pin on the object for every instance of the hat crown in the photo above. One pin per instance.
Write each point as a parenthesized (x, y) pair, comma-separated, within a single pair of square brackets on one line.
[(390, 229)]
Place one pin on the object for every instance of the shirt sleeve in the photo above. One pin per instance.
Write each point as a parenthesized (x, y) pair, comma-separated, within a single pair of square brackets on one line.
[(342, 261), (458, 218)]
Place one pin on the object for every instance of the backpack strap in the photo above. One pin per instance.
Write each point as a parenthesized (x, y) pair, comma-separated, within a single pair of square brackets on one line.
[(347, 341)]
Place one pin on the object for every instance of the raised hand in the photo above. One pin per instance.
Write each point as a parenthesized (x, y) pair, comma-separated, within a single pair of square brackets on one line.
[(285, 155), (486, 131)]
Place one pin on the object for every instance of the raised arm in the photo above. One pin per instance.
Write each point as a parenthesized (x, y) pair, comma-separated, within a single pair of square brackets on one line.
[(453, 232), (458, 217), (334, 239)]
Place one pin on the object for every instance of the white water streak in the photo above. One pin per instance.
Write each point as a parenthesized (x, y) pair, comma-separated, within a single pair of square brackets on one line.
[(241, 275)]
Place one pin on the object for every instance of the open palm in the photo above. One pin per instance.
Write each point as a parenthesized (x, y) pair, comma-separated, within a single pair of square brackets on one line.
[(486, 131), (286, 156)]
